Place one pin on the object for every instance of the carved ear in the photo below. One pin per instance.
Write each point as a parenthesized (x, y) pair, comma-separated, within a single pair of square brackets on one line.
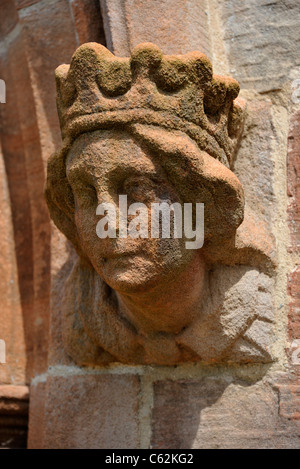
[(59, 197)]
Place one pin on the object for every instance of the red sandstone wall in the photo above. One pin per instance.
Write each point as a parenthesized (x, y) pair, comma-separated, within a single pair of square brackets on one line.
[(35, 37)]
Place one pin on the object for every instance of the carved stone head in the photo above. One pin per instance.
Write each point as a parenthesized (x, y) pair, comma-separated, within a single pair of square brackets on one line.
[(156, 129)]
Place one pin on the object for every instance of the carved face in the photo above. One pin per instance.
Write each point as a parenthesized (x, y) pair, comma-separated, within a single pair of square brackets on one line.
[(151, 300), (100, 167)]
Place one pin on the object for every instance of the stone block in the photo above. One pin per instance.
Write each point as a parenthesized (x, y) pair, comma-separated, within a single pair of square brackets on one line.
[(262, 38), (294, 305), (213, 413), (293, 181), (37, 415), (92, 411)]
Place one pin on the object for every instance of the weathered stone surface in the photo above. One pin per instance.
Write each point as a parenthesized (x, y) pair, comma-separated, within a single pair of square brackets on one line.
[(238, 318), (287, 384), (25, 3), (61, 269), (254, 165), (37, 416), (9, 17), (290, 401), (11, 320), (256, 147), (88, 21), (262, 43), (50, 40), (255, 243), (13, 416), (170, 335), (51, 30), (92, 412), (18, 393), (18, 271), (25, 273), (218, 413), (25, 176), (263, 39), (293, 187), (128, 23), (293, 182), (294, 305)]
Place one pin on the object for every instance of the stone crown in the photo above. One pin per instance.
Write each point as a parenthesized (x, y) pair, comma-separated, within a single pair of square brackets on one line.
[(99, 90)]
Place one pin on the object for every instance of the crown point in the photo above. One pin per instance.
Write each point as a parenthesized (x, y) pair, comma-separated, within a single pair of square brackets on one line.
[(91, 48), (201, 65), (61, 72), (233, 87), (114, 77), (146, 55), (236, 117), (87, 57), (65, 88)]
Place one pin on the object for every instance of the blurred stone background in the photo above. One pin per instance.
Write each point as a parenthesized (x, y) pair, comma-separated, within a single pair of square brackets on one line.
[(190, 406)]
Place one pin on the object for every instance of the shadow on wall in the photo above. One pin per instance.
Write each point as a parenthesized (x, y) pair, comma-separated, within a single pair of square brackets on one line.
[(212, 413), (190, 400)]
